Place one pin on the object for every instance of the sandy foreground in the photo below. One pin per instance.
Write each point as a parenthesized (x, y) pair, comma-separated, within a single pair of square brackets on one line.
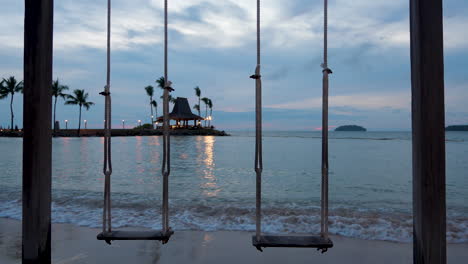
[(73, 244)]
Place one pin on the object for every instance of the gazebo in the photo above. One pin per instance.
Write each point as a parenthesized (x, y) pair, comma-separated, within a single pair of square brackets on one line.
[(182, 113)]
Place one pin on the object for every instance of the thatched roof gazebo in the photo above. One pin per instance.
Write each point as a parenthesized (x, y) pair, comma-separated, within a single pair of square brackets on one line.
[(182, 112)]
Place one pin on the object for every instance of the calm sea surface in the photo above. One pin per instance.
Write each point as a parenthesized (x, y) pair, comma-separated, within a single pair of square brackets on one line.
[(212, 182)]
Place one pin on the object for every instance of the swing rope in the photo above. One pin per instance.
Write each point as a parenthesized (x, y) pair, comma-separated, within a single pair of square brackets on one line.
[(107, 168), (326, 71), (107, 233), (166, 164), (258, 132), (258, 135)]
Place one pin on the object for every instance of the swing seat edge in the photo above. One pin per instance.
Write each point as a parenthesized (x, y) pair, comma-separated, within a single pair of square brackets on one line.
[(318, 242), (135, 235)]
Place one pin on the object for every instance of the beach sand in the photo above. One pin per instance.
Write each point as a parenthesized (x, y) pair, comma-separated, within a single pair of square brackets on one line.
[(74, 244)]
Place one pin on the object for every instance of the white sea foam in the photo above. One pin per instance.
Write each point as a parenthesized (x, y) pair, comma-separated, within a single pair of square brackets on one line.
[(366, 224)]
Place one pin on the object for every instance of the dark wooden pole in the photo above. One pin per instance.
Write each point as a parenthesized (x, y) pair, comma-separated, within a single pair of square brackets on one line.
[(427, 74), (37, 141)]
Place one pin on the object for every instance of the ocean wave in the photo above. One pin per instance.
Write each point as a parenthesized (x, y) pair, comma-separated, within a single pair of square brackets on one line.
[(389, 225)]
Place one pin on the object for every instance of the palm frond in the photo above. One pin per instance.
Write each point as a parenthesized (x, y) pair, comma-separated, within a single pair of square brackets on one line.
[(149, 90), (11, 85), (79, 98), (87, 105), (71, 102), (197, 91), (205, 100), (161, 82), (19, 87)]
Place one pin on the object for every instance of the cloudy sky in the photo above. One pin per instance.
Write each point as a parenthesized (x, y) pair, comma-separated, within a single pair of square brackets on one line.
[(212, 45)]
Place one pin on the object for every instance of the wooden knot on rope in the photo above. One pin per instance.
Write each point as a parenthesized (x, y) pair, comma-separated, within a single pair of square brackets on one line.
[(168, 87), (255, 76), (106, 91)]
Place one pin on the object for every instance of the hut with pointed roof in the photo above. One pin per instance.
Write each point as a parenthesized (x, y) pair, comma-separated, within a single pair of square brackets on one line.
[(182, 114)]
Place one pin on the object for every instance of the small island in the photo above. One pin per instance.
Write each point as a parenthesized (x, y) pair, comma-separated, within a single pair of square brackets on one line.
[(457, 128), (350, 128)]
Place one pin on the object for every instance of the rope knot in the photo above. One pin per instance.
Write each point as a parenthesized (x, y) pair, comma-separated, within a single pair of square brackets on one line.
[(255, 76), (106, 91), (168, 87), (325, 68)]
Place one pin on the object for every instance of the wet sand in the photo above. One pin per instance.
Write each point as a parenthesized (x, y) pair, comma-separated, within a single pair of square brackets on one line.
[(73, 244)]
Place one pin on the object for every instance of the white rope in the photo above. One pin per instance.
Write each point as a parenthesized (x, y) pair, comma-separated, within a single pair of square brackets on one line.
[(107, 168), (326, 71), (258, 132)]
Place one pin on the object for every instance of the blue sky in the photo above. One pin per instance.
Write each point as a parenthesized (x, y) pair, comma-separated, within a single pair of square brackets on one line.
[(212, 45)]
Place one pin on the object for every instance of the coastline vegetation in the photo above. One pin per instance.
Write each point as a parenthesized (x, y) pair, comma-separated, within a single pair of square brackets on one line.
[(11, 86)]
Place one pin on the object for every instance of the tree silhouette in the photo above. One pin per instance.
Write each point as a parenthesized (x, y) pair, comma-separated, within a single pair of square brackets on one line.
[(10, 86), (79, 98), (58, 91)]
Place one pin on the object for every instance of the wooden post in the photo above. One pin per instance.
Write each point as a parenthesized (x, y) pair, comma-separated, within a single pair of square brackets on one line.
[(427, 74), (37, 141)]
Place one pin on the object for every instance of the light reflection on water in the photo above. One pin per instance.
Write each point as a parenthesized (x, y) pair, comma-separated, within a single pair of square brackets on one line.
[(210, 187), (212, 179)]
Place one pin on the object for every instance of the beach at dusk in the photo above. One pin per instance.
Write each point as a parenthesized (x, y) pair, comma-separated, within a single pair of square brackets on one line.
[(234, 131)]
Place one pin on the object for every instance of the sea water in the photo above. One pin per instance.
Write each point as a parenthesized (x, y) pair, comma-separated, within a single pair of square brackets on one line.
[(212, 183)]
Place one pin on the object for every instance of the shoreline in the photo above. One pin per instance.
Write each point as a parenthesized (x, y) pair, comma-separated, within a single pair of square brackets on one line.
[(123, 132), (76, 244)]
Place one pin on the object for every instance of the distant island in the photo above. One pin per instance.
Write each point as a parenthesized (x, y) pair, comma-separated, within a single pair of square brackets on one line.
[(457, 128), (350, 128)]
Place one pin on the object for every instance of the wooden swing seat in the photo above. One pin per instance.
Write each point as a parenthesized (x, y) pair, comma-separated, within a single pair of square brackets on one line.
[(318, 242), (135, 235)]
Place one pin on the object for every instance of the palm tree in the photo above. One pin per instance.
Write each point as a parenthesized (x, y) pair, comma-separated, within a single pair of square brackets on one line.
[(9, 87), (80, 99), (155, 105), (150, 92), (198, 94), (206, 102), (171, 99), (58, 91), (210, 105)]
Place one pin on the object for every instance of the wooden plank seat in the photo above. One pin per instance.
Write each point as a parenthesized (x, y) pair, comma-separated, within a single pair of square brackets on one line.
[(135, 235), (318, 242)]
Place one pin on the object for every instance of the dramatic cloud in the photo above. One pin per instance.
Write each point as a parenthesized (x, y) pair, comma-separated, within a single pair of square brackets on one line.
[(212, 45)]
